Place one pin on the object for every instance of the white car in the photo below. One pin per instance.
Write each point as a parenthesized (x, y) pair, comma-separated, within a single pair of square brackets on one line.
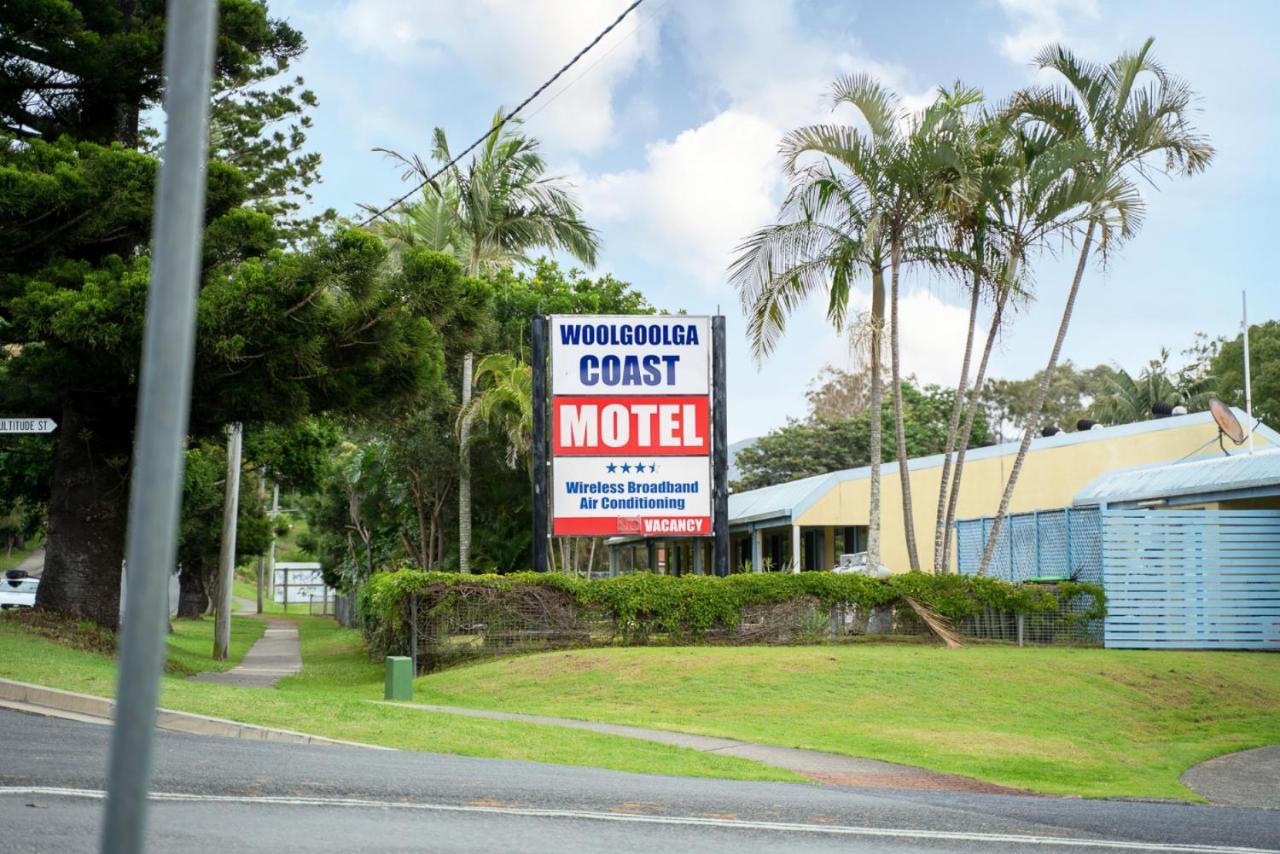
[(856, 564), (18, 591)]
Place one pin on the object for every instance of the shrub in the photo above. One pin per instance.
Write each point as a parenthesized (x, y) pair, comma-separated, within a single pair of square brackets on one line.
[(689, 608)]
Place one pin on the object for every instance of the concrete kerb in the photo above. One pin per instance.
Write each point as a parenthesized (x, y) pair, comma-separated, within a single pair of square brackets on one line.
[(39, 697)]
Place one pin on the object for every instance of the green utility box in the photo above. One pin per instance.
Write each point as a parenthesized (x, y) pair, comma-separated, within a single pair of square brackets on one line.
[(399, 678)]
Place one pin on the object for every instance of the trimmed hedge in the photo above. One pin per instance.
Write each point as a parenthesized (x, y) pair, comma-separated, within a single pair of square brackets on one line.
[(689, 606)]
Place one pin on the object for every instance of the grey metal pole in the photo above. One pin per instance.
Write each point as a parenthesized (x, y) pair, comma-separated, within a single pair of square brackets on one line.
[(164, 405), (719, 449), (539, 370), (1248, 382), (227, 556)]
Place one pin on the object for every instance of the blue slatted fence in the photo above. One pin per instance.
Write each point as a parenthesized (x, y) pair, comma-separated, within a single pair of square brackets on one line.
[(1192, 579)]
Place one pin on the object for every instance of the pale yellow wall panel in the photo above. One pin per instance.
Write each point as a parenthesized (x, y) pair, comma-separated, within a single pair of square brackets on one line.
[(1051, 477)]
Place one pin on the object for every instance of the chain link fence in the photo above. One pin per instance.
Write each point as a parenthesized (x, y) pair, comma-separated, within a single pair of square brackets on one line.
[(465, 623), (1045, 544)]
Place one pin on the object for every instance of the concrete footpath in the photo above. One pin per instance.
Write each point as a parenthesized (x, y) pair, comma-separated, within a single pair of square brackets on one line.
[(275, 654), (830, 768), (1250, 778)]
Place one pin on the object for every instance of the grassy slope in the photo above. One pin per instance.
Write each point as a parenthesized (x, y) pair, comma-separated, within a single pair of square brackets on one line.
[(1083, 721), (329, 698)]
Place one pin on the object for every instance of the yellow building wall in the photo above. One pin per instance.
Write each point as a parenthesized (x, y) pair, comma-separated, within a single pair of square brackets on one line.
[(1051, 476)]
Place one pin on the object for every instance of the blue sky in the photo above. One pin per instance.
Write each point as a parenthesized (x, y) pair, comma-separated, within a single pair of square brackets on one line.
[(669, 130)]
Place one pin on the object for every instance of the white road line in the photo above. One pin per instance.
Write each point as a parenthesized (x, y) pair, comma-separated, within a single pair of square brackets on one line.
[(696, 821)]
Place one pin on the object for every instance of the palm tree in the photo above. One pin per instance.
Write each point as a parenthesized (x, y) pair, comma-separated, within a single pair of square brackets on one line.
[(1031, 189), (504, 402), (1126, 125), (966, 189), (1128, 398), (830, 232), (489, 214), (428, 223), (496, 208)]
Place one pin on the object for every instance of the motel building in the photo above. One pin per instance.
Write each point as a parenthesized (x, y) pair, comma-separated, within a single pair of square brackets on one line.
[(805, 525)]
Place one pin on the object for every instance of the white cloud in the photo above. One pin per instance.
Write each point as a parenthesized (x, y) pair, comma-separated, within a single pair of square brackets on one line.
[(515, 45), (697, 195), (1041, 22), (932, 330)]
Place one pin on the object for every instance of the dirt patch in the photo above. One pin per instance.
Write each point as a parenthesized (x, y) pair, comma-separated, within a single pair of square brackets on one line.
[(923, 781)]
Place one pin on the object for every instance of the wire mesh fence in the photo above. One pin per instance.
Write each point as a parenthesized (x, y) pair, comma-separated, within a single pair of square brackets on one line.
[(460, 623), (1045, 544), (1064, 543)]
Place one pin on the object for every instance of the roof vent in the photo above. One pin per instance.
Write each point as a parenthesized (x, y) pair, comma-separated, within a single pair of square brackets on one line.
[(1162, 409), (1087, 424), (1051, 430)]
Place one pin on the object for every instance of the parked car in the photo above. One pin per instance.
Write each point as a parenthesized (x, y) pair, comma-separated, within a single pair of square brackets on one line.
[(856, 564), (18, 590)]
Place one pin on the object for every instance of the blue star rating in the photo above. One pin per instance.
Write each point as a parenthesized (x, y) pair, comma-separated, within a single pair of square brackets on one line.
[(626, 468)]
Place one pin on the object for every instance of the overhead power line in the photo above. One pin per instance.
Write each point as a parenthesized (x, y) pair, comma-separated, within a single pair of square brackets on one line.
[(508, 117)]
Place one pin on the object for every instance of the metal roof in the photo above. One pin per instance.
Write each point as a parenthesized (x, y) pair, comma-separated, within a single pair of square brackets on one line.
[(780, 503), (777, 501), (785, 501), (1213, 479)]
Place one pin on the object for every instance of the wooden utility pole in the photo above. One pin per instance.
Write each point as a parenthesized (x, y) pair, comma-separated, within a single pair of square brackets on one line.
[(464, 474), (262, 497), (227, 557)]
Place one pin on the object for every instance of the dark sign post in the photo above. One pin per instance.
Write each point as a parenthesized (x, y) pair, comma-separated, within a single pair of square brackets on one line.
[(539, 394), (719, 450)]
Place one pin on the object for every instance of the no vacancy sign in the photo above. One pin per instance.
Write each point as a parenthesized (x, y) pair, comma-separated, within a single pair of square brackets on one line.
[(631, 425)]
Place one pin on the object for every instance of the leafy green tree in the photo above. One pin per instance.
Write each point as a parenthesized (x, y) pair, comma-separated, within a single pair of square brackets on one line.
[(1127, 398), (490, 213), (1071, 397), (200, 533), (1264, 371), (1126, 125), (89, 70), (822, 445), (281, 334)]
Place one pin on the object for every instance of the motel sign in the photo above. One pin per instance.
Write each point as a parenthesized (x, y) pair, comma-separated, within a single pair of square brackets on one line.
[(631, 429)]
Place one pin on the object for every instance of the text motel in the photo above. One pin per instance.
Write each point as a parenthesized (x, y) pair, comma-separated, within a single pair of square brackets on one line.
[(654, 425)]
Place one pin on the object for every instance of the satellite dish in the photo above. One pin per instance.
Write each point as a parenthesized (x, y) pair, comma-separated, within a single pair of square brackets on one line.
[(1228, 424)]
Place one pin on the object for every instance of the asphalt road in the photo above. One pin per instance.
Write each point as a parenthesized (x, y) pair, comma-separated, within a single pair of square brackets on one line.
[(229, 795)]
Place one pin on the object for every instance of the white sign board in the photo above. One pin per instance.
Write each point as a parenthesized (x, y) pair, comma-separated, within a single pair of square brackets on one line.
[(630, 354), (299, 582), (27, 425), (631, 425)]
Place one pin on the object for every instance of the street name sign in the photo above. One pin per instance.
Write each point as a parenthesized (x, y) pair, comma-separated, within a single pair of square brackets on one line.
[(27, 425), (631, 425)]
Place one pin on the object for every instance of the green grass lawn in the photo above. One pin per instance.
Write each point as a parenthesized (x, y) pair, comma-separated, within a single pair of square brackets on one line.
[(249, 590), (330, 698), (1069, 721)]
